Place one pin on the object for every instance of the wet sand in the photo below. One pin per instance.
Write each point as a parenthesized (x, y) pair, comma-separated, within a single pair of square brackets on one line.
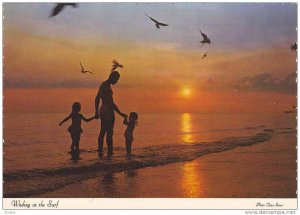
[(264, 170)]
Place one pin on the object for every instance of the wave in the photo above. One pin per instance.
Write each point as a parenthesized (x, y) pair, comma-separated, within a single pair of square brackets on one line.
[(37, 181), (224, 130), (45, 142)]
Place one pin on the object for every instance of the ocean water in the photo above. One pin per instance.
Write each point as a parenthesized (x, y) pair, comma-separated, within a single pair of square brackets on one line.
[(36, 148)]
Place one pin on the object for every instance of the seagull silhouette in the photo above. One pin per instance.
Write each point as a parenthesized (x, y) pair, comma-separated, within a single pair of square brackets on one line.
[(157, 23), (205, 55), (115, 65), (84, 71), (294, 46), (60, 6), (205, 38)]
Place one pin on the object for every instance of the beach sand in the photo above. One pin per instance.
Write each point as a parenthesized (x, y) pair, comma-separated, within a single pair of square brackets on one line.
[(263, 170)]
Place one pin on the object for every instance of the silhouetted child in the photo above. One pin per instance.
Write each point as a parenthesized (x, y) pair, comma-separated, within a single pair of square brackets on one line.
[(75, 128), (133, 116)]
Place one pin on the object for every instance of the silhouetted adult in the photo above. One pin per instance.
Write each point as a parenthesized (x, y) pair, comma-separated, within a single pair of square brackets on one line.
[(106, 112)]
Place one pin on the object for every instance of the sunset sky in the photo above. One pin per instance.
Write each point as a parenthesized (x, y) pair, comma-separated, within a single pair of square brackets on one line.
[(249, 68)]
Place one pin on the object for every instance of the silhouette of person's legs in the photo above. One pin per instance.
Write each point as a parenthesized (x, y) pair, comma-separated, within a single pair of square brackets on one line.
[(109, 141), (75, 145), (109, 138), (77, 140), (101, 137), (72, 145), (107, 125), (128, 142), (73, 142)]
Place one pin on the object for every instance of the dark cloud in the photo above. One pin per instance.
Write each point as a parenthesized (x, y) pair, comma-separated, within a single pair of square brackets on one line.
[(265, 81)]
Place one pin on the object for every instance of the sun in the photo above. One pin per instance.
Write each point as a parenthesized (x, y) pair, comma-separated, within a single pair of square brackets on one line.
[(186, 92)]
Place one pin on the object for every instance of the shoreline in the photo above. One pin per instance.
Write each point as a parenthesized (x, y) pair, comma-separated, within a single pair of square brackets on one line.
[(258, 171), (39, 181)]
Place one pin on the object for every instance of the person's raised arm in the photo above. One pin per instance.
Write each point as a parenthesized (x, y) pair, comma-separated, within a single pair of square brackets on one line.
[(85, 119), (97, 102), (66, 119)]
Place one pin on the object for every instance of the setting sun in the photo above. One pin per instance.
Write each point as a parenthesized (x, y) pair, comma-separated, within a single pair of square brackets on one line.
[(186, 92)]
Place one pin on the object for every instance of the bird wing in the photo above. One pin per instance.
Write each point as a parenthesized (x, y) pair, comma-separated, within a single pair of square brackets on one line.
[(114, 67), (203, 35), (81, 66), (71, 4), (58, 8), (115, 62), (163, 24), (151, 18)]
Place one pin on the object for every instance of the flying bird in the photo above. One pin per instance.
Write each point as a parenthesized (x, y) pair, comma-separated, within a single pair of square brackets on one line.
[(115, 65), (205, 38), (205, 55), (294, 46), (157, 23), (84, 71), (60, 6)]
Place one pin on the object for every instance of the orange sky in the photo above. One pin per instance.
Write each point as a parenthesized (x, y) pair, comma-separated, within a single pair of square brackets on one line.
[(150, 82), (42, 71), (34, 59)]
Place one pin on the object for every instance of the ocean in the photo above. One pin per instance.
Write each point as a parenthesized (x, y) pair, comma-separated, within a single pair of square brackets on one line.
[(36, 147)]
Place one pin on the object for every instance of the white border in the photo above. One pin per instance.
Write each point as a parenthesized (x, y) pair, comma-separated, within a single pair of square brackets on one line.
[(146, 203), (154, 203)]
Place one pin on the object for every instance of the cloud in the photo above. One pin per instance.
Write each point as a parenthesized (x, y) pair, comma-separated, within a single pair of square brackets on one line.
[(147, 82), (13, 83), (266, 82)]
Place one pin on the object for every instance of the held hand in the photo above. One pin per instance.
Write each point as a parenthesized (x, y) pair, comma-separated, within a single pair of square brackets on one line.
[(124, 115)]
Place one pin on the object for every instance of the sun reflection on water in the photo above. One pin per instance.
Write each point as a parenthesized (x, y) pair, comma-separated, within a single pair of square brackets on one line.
[(186, 128), (191, 179)]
